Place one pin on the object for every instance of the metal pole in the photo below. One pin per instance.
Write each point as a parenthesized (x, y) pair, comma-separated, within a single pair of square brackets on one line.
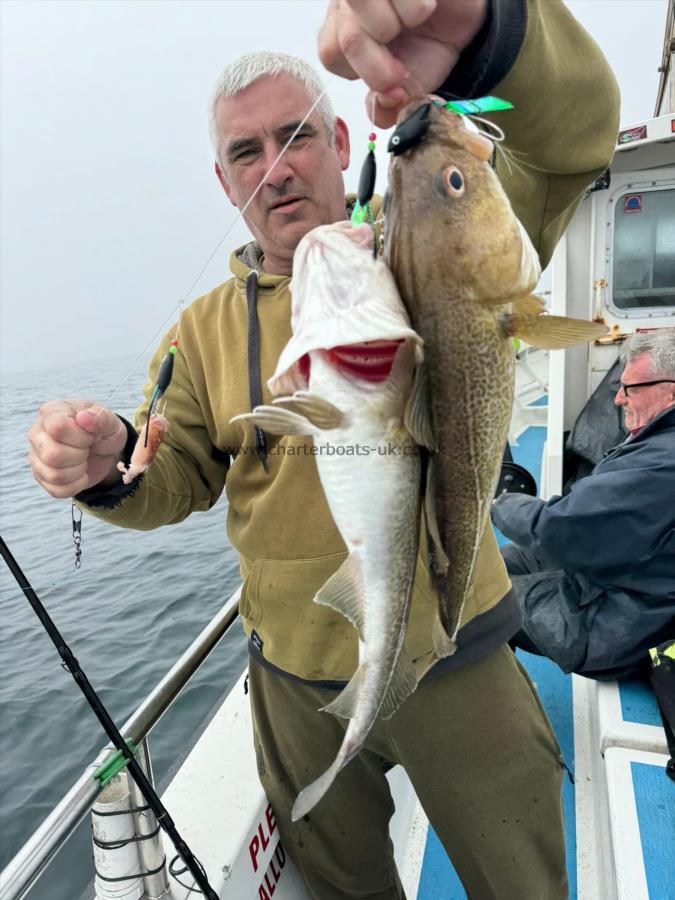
[(151, 850)]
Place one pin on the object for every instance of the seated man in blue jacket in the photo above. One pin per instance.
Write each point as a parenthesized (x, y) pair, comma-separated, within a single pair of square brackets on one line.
[(594, 571)]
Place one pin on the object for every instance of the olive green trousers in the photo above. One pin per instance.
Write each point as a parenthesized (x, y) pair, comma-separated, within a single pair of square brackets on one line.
[(482, 757)]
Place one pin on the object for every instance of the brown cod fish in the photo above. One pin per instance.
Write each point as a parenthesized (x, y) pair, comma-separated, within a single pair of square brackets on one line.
[(465, 269)]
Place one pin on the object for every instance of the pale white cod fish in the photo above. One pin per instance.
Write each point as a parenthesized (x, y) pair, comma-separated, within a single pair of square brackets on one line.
[(367, 460)]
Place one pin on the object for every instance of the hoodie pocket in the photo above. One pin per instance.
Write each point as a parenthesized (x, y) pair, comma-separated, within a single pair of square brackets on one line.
[(304, 638)]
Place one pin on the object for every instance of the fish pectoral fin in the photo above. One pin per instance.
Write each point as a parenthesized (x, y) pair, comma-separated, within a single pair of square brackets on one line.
[(552, 332), (318, 411), (417, 418), (437, 556), (442, 642), (346, 701), (531, 305), (277, 421), (343, 592), (403, 683)]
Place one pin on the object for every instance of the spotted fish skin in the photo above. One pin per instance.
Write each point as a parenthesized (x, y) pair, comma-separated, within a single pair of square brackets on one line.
[(460, 258)]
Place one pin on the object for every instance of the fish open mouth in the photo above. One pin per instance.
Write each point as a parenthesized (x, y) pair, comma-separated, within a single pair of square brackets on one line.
[(370, 360)]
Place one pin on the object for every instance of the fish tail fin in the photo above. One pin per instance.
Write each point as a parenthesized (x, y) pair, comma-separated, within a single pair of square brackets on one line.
[(310, 796), (403, 683)]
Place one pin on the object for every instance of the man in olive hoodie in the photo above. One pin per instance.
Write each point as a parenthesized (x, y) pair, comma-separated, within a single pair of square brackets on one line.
[(473, 738)]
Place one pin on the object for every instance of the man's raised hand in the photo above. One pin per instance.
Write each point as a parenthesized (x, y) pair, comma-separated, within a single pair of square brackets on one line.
[(398, 47)]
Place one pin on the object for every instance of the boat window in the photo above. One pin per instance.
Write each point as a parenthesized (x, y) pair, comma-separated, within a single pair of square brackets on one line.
[(644, 250)]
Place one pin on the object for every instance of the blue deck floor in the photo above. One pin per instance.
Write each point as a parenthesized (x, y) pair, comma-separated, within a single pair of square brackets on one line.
[(438, 880), (655, 802)]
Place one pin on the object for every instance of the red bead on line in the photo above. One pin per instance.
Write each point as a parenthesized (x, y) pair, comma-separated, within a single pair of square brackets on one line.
[(372, 136)]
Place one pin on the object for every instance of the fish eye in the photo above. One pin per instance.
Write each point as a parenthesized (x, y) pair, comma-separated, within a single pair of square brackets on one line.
[(452, 181)]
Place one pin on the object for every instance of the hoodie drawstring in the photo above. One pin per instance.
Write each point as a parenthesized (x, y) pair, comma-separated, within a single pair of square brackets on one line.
[(254, 385)]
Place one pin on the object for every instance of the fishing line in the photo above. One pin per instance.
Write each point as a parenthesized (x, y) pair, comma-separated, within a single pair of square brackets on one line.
[(493, 131), (181, 303), (71, 664)]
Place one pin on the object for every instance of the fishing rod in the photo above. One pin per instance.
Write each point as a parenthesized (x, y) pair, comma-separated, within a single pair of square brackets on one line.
[(163, 818)]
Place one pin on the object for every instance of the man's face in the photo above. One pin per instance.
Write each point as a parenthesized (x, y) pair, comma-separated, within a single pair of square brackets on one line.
[(643, 403), (304, 189)]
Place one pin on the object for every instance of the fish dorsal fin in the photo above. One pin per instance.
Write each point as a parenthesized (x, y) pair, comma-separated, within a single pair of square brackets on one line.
[(402, 685), (277, 421), (438, 556), (416, 417), (343, 592), (552, 332), (318, 411), (531, 305), (346, 701)]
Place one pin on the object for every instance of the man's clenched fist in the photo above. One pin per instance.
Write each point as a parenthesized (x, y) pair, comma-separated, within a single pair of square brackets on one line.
[(75, 444)]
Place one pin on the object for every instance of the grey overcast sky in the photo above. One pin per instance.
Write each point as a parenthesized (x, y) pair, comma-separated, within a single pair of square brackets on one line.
[(109, 205)]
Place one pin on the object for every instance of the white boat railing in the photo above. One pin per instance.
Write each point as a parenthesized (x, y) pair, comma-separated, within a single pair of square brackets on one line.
[(43, 845)]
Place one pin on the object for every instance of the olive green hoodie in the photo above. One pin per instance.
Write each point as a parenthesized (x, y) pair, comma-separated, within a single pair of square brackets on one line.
[(561, 135)]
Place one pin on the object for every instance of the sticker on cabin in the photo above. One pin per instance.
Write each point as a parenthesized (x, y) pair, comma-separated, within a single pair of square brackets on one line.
[(632, 203), (628, 135), (672, 125)]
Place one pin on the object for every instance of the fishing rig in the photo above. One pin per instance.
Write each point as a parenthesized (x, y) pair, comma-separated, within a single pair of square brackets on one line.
[(408, 134), (162, 382), (413, 130)]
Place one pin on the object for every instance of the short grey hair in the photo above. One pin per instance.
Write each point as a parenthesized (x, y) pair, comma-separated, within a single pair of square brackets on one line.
[(660, 345), (252, 66)]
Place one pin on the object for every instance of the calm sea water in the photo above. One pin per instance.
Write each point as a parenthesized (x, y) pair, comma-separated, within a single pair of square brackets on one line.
[(137, 602)]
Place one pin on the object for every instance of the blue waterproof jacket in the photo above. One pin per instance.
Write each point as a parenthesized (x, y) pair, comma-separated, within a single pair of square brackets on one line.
[(607, 550)]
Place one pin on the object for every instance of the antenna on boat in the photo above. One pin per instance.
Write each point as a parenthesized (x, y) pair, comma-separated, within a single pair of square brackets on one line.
[(125, 751)]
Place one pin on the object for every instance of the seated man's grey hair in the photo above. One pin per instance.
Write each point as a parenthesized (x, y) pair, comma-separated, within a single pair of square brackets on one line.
[(252, 66), (660, 345)]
